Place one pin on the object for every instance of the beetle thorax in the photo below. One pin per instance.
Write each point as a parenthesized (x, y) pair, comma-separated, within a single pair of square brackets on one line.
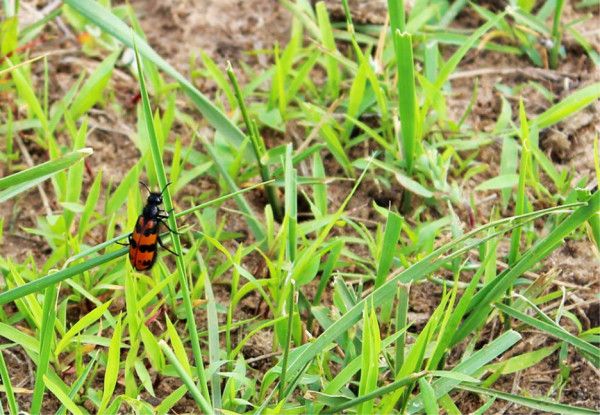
[(151, 211)]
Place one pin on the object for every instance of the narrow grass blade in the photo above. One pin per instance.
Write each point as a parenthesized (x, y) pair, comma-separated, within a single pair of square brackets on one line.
[(450, 65), (567, 106), (24, 63), (27, 94), (186, 379), (288, 338), (553, 330), (371, 343), (92, 90), (170, 401), (44, 170), (82, 323), (213, 339), (46, 338), (524, 171), (79, 383), (469, 366), (113, 359), (384, 390), (407, 99), (55, 277), (178, 347), (522, 361), (13, 407), (258, 145), (534, 403), (90, 206), (327, 38), (181, 269), (494, 290), (556, 34), (508, 162), (255, 226), (393, 227), (429, 399), (504, 181), (64, 399)]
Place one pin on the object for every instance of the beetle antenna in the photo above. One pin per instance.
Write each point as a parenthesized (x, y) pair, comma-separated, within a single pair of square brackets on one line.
[(146, 186), (165, 188)]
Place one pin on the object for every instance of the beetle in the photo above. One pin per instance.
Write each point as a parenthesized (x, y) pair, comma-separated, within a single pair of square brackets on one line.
[(144, 239)]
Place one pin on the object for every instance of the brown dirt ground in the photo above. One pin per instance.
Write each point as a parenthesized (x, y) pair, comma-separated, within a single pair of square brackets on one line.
[(227, 30)]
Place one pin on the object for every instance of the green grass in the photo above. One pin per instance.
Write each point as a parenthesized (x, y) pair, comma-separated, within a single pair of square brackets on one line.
[(344, 114)]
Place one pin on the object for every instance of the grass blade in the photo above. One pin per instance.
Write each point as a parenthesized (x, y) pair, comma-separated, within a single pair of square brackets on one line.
[(55, 277), (181, 270), (82, 323), (429, 399), (469, 366), (407, 99), (371, 342), (400, 383), (64, 399), (46, 169), (328, 40), (92, 90), (187, 380), (553, 330), (13, 408), (567, 106), (113, 360), (495, 289), (539, 404), (213, 339), (79, 383), (258, 145), (46, 338)]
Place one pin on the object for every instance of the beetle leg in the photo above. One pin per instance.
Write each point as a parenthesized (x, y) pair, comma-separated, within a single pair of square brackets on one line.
[(168, 212), (165, 214), (170, 230), (160, 242), (128, 239)]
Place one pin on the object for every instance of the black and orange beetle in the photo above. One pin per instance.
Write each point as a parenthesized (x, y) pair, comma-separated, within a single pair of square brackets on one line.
[(144, 239)]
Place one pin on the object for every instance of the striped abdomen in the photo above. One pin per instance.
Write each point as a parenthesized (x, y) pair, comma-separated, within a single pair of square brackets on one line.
[(142, 243)]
